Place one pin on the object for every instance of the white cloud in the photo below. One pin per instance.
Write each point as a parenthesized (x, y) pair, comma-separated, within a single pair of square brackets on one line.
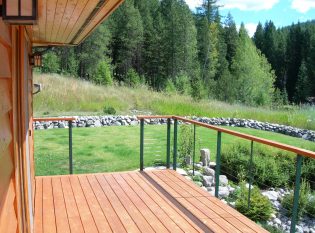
[(250, 28), (249, 5), (193, 3), (303, 6)]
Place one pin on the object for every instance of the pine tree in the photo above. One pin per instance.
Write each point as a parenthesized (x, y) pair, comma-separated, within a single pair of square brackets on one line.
[(230, 36), (253, 75), (302, 89)]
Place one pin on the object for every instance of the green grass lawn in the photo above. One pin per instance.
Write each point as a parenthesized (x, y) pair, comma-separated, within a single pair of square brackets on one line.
[(116, 148)]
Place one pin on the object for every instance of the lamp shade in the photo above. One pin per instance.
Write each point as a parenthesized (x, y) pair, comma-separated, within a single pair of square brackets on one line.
[(19, 11)]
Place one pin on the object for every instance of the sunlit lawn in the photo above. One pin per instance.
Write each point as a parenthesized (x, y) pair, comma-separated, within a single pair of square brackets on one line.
[(116, 148)]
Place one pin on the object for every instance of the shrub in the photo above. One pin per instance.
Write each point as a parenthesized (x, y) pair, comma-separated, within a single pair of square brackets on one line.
[(260, 206), (271, 229), (103, 74), (132, 78), (270, 168), (185, 143), (109, 110), (51, 63), (310, 208), (287, 201)]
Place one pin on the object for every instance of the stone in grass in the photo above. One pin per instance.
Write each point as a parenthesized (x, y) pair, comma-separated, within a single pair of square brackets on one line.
[(209, 171), (223, 180), (197, 173), (271, 195), (188, 160), (223, 191), (181, 171), (205, 156), (207, 181)]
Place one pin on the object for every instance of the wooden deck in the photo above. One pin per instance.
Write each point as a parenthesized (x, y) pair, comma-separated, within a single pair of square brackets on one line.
[(152, 201)]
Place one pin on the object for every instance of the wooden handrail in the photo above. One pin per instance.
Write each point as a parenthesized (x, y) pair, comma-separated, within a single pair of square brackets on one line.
[(297, 150), (54, 119)]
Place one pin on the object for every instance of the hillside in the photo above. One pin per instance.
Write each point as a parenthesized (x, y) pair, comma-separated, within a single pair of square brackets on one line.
[(70, 96)]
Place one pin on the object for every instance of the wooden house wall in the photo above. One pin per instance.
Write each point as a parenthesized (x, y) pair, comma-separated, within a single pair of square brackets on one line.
[(16, 136)]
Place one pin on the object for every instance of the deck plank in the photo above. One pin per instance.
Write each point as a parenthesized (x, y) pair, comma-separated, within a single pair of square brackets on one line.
[(60, 207), (96, 210), (71, 206), (155, 223), (152, 201), (168, 206), (120, 210), (39, 206), (133, 211), (111, 216), (49, 222), (83, 207)]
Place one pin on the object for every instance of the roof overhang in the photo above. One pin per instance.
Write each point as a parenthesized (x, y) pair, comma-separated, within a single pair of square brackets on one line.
[(68, 22)]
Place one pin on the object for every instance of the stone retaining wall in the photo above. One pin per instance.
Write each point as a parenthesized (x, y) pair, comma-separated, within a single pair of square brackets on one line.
[(103, 121)]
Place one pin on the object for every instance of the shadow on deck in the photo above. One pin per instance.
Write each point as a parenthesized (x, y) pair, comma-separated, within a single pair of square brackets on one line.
[(151, 201)]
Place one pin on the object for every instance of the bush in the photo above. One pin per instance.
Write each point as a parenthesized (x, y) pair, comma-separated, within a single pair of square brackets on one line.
[(271, 229), (260, 206), (310, 208), (51, 63), (109, 110), (287, 201), (185, 143), (132, 78), (270, 168), (103, 74)]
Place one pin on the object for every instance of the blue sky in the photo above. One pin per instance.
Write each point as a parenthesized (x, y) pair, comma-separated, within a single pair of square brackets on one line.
[(281, 12)]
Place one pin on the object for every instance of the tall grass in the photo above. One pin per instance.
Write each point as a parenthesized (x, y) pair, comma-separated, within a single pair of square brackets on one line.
[(69, 96)]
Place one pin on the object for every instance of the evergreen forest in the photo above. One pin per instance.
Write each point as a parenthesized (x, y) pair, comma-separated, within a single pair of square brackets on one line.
[(164, 45)]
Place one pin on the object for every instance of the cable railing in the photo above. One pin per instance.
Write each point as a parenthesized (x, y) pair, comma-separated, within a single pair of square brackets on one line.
[(69, 120), (300, 154)]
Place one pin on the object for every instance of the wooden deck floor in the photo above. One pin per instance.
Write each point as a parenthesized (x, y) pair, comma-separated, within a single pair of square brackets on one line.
[(152, 201)]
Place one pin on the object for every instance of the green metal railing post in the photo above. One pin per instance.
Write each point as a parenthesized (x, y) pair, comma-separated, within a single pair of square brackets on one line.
[(175, 145), (70, 148), (141, 143), (168, 148), (250, 173), (218, 165), (299, 160), (194, 153)]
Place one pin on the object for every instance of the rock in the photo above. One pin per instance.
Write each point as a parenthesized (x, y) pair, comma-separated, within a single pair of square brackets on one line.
[(62, 125), (97, 123), (212, 164), (181, 171), (209, 171), (277, 221), (188, 160), (205, 156), (271, 195), (133, 123), (207, 181), (223, 191), (197, 173), (223, 180)]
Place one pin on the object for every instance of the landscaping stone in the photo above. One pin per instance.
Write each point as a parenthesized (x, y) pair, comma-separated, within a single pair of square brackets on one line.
[(223, 180), (207, 181), (205, 156), (209, 171), (90, 121), (181, 171)]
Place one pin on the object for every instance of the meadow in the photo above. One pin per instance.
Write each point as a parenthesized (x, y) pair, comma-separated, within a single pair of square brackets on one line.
[(66, 96), (116, 148)]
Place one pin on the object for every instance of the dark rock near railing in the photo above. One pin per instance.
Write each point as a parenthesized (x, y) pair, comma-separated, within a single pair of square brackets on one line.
[(103, 121)]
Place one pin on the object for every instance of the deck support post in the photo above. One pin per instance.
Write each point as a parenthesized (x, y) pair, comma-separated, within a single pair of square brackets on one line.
[(194, 152), (168, 148), (175, 145), (299, 160), (250, 173), (218, 165), (70, 148), (141, 143)]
